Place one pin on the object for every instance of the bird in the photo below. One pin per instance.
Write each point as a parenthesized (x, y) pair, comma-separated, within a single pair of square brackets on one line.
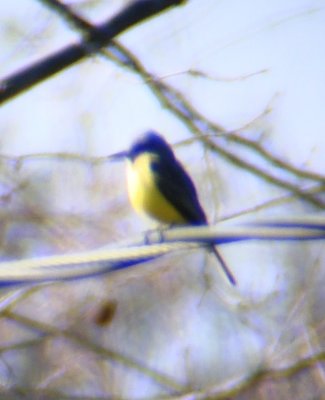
[(159, 186)]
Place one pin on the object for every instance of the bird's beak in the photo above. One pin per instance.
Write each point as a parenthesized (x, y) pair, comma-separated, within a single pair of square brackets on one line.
[(118, 156)]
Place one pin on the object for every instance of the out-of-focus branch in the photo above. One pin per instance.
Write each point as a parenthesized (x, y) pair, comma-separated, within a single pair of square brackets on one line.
[(274, 375), (110, 355), (94, 39), (234, 389), (18, 161), (273, 159)]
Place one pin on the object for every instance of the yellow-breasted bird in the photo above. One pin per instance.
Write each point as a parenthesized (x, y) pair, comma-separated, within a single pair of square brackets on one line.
[(159, 186)]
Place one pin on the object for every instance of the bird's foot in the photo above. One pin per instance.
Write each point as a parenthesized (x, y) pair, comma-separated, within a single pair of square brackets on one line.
[(154, 236)]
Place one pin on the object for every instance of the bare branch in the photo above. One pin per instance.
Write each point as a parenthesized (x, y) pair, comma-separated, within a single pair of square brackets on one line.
[(96, 38)]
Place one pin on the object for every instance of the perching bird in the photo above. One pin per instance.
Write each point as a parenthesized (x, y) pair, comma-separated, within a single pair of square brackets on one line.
[(159, 186)]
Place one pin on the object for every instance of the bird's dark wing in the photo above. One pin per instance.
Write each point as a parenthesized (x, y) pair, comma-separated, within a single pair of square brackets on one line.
[(177, 187)]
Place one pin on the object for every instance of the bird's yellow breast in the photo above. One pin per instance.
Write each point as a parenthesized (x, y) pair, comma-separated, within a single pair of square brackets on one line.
[(144, 193)]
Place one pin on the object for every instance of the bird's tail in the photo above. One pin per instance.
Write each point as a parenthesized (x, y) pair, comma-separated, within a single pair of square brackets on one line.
[(226, 270)]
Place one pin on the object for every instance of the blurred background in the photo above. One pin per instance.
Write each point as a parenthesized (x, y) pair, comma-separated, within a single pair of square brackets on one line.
[(238, 88)]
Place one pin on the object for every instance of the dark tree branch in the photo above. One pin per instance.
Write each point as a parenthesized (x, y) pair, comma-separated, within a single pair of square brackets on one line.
[(96, 38)]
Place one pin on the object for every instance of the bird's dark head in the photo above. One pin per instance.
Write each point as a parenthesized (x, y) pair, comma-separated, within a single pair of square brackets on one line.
[(151, 143)]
